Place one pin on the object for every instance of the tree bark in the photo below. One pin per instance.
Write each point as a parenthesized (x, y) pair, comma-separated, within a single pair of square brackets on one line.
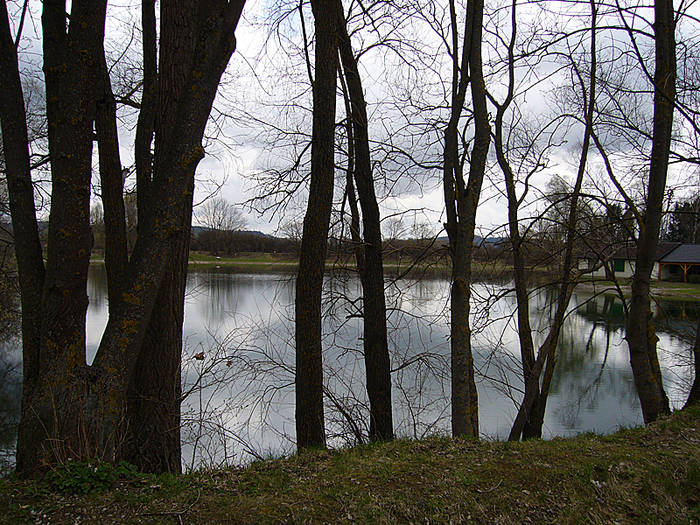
[(52, 426), (72, 410), (640, 332), (309, 359), (28, 250), (153, 441), (116, 252), (461, 204), (377, 362), (146, 121), (155, 391)]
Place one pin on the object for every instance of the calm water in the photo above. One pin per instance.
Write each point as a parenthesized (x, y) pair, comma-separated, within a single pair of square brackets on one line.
[(241, 395)]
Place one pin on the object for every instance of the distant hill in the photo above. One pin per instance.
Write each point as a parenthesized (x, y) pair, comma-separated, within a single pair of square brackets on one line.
[(253, 233), (480, 241)]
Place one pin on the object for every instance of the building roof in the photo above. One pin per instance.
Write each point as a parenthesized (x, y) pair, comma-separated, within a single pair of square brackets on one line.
[(666, 252), (684, 253), (628, 250), (665, 248)]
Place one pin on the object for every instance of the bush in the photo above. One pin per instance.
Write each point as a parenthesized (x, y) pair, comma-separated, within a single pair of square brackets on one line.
[(694, 278), (84, 477)]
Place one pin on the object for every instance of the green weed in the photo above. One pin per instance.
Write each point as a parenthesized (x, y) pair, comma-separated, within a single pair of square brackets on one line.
[(85, 477)]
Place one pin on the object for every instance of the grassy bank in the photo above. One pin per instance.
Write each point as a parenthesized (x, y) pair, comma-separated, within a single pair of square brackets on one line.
[(260, 262), (643, 475), (437, 268), (269, 262), (246, 262), (659, 289)]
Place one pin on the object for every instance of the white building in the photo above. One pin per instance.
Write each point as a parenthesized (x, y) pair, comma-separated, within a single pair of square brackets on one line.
[(674, 262)]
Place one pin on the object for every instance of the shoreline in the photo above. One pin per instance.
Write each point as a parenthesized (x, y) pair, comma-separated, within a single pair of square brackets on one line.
[(263, 262)]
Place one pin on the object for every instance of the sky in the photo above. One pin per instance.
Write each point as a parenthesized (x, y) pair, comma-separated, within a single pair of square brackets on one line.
[(266, 89), (383, 75)]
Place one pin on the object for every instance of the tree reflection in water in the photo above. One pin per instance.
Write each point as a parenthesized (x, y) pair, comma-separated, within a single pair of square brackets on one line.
[(239, 363)]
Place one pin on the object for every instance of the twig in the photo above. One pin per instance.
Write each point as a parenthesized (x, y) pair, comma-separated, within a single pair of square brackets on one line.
[(178, 514), (491, 489)]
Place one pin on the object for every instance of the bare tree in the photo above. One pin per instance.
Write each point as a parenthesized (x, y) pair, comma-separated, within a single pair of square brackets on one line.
[(309, 358), (70, 408), (369, 251), (562, 212), (461, 202), (223, 219), (219, 214), (640, 334)]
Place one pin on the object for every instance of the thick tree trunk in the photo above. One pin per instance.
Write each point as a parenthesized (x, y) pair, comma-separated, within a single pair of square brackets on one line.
[(309, 359), (377, 362), (153, 441), (640, 332), (28, 250), (72, 410), (465, 406), (53, 427)]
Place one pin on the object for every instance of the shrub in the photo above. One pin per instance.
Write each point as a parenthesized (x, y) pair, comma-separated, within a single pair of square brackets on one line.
[(83, 477)]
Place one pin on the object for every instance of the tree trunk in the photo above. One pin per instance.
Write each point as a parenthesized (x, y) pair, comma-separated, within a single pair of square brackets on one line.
[(461, 204), (530, 418), (52, 427), (527, 346), (532, 427), (116, 250), (155, 391), (28, 250), (309, 359), (153, 440), (377, 362), (640, 332), (71, 410), (146, 121)]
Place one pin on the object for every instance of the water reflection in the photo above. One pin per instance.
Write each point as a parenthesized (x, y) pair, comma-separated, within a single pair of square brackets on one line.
[(241, 396), (10, 401)]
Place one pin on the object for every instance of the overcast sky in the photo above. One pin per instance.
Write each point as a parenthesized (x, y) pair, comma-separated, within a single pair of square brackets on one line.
[(268, 73)]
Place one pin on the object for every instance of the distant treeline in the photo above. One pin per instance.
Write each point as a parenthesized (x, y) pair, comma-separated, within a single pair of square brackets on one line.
[(228, 243), (219, 242), (538, 252)]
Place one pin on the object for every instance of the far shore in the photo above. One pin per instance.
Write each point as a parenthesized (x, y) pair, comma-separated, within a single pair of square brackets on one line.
[(659, 289), (273, 262)]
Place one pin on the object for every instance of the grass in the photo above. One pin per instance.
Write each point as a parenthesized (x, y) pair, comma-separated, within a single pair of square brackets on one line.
[(268, 262), (245, 262), (260, 262), (659, 289), (641, 475)]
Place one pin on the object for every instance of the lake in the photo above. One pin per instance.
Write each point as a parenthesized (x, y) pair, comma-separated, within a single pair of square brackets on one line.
[(240, 402)]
